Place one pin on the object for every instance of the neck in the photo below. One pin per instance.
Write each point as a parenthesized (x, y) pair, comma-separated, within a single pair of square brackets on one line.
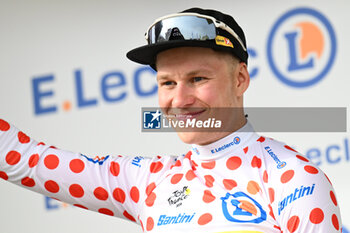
[(225, 145), (233, 127)]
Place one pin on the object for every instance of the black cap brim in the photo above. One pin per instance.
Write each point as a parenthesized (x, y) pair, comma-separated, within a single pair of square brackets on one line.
[(147, 54)]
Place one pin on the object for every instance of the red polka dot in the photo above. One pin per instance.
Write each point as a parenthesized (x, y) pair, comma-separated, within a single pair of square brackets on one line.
[(114, 168), (149, 224), (316, 216), (261, 139), (135, 194), (229, 184), (3, 175), (76, 165), (80, 206), (233, 163), (287, 176), (328, 179), (129, 216), (29, 182), (101, 193), (253, 187), (334, 199), (23, 138), (311, 169), (271, 212), (150, 188), (256, 162), (188, 155), (335, 222), (208, 165), (13, 157), (208, 196), (156, 167), (106, 211), (176, 178), (76, 190), (205, 219), (293, 224), (178, 163), (193, 168), (290, 148), (209, 180), (4, 126), (51, 186), (302, 158), (41, 144), (33, 160), (245, 150), (119, 195), (51, 161), (150, 199), (143, 229), (194, 163), (272, 195), (190, 175), (265, 177)]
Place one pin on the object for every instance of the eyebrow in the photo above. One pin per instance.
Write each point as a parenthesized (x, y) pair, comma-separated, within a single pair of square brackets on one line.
[(191, 73)]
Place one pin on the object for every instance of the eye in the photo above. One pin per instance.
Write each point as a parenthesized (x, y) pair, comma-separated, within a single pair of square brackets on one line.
[(198, 79), (167, 83)]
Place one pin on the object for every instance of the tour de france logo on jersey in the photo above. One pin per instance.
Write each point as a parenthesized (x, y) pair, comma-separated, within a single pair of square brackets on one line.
[(152, 119), (239, 207), (301, 47)]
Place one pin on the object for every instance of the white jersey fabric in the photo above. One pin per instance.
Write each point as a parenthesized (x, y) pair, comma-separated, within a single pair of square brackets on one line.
[(241, 183)]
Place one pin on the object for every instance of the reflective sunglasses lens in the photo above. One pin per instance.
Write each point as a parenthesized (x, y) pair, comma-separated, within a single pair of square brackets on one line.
[(182, 28)]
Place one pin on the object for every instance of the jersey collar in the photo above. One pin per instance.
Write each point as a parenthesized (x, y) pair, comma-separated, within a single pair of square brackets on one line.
[(229, 144)]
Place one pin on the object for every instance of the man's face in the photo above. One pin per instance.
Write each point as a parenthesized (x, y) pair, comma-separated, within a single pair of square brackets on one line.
[(195, 81)]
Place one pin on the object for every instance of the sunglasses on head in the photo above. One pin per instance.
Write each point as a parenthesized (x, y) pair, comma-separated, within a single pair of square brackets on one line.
[(187, 26)]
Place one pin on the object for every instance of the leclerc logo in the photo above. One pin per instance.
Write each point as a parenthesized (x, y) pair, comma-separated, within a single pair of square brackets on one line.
[(112, 88), (308, 39)]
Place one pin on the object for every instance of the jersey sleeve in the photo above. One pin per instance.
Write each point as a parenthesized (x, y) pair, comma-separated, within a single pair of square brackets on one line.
[(115, 186), (303, 199)]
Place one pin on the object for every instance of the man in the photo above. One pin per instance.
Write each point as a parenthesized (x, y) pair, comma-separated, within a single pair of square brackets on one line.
[(230, 181)]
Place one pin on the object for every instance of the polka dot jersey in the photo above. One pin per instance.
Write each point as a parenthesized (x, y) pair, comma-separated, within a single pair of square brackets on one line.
[(241, 183)]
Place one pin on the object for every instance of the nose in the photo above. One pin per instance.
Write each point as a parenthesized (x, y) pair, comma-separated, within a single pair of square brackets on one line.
[(183, 96)]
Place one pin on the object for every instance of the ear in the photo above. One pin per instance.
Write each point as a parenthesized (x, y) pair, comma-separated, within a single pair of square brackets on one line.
[(243, 78)]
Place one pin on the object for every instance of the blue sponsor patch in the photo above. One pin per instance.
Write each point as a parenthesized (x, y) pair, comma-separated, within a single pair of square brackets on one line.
[(97, 159), (181, 218), (239, 207)]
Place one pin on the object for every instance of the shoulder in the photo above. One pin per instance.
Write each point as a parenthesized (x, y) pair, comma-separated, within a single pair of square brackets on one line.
[(276, 155), (286, 167)]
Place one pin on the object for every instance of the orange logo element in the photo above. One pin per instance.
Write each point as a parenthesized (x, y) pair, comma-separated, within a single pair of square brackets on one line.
[(312, 39), (220, 40)]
